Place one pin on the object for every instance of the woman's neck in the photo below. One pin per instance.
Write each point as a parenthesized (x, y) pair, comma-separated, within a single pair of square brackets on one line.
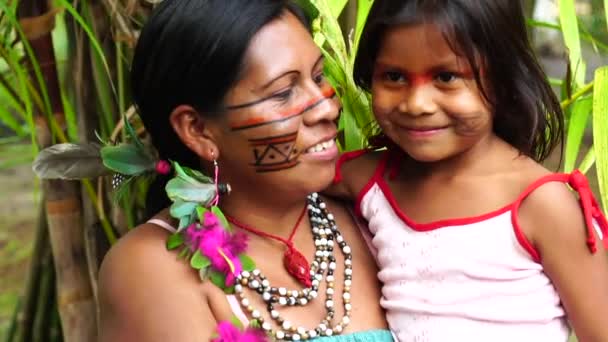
[(276, 216)]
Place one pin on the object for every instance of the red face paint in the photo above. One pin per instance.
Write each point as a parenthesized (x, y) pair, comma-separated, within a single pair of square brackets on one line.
[(327, 93)]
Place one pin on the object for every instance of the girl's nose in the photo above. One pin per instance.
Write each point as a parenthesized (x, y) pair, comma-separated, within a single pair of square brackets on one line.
[(418, 100)]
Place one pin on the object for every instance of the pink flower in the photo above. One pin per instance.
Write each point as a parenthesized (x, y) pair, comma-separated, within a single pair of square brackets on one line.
[(210, 220), (219, 245), (229, 333)]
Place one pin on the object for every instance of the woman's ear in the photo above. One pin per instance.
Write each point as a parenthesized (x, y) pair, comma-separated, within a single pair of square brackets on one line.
[(194, 131)]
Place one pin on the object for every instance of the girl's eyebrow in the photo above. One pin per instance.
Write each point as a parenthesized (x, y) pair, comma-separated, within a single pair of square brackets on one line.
[(455, 64)]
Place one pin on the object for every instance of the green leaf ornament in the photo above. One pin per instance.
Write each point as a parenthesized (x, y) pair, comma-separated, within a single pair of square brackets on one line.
[(220, 215), (247, 263), (188, 189), (219, 279), (181, 208), (175, 241), (199, 261), (200, 212), (127, 159)]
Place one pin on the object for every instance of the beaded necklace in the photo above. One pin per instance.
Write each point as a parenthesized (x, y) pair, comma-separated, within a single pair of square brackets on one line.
[(325, 232)]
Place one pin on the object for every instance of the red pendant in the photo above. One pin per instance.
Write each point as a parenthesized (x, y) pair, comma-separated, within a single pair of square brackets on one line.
[(297, 265)]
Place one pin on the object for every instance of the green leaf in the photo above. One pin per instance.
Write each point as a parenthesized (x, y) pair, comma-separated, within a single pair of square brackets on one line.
[(236, 322), (190, 191), (191, 176), (363, 8), (203, 273), (200, 211), (127, 159), (336, 7), (255, 324), (247, 263), (131, 132), (175, 241), (70, 161), (570, 30), (309, 9), (600, 130), (184, 253), (587, 161), (606, 9), (218, 212), (577, 123), (218, 279), (185, 221), (181, 209), (199, 261)]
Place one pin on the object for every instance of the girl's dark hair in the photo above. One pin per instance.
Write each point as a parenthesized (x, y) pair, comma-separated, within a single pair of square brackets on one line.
[(192, 52), (492, 36)]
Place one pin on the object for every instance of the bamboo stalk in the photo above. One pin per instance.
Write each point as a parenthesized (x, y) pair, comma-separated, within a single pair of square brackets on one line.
[(62, 201), (41, 246), (45, 297), (13, 325)]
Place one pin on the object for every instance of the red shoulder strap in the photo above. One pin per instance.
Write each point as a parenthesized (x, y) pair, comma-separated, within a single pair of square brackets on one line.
[(343, 159), (591, 209)]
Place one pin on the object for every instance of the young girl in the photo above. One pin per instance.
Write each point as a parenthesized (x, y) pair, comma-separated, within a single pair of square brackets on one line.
[(476, 240)]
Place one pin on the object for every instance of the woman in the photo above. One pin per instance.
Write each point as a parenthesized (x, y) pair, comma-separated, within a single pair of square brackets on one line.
[(239, 83)]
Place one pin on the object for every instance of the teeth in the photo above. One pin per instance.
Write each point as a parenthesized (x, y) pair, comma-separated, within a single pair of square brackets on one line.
[(321, 146)]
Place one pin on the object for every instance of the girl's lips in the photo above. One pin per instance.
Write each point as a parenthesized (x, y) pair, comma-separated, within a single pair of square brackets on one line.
[(423, 132)]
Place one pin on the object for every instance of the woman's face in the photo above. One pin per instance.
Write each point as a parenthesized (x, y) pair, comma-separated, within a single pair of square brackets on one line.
[(280, 127)]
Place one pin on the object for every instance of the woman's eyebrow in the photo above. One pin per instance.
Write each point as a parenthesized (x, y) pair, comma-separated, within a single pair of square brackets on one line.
[(276, 78), (319, 61)]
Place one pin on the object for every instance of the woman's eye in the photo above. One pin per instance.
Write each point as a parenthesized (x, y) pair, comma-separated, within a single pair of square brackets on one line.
[(446, 77), (283, 96), (319, 79)]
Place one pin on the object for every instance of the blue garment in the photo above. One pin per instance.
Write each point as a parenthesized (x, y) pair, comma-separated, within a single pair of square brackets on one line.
[(361, 336)]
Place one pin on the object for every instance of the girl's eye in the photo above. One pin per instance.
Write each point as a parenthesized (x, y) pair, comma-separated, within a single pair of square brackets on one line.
[(393, 76), (446, 77)]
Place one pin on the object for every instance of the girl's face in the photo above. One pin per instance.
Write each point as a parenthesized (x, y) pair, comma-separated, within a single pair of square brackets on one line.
[(425, 97), (279, 132)]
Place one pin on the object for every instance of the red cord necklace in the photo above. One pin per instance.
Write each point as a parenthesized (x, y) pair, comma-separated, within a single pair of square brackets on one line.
[(295, 263)]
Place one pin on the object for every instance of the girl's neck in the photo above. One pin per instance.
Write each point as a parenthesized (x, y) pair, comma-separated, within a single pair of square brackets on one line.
[(486, 155)]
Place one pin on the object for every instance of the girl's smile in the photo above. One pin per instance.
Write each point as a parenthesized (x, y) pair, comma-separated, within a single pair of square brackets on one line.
[(425, 97)]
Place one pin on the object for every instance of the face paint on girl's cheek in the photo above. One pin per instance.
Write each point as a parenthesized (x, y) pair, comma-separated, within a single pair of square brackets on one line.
[(327, 93), (274, 153)]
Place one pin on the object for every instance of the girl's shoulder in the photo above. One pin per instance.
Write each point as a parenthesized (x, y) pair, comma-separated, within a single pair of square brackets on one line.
[(355, 169), (558, 205)]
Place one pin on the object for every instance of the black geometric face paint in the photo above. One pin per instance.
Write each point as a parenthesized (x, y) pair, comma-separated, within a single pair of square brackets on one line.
[(274, 153)]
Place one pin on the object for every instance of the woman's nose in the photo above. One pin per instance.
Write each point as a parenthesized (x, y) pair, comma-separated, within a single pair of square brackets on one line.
[(324, 106)]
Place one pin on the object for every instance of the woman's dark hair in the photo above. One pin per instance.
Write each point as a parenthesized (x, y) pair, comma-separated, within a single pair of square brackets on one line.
[(492, 36), (192, 52)]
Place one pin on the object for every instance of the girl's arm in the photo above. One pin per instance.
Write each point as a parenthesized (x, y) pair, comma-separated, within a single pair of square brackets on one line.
[(148, 294), (553, 220), (353, 171)]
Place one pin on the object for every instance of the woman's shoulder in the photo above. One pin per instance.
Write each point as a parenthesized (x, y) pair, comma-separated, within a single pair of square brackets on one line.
[(142, 282)]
